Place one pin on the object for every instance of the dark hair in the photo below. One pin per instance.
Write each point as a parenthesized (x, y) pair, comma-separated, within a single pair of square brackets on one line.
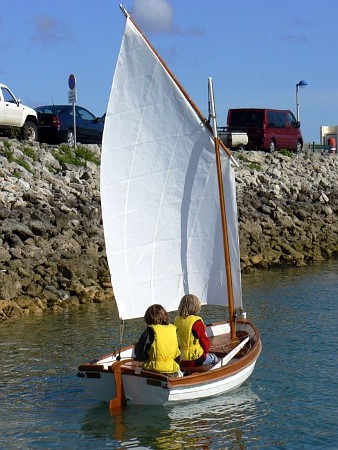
[(156, 315)]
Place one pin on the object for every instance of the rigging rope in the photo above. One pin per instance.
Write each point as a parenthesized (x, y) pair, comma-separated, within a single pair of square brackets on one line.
[(121, 330)]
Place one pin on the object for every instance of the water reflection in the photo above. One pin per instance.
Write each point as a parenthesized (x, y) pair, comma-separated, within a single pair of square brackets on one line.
[(287, 403), (211, 423)]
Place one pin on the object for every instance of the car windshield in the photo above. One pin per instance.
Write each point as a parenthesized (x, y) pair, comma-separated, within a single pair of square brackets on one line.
[(54, 109), (246, 118)]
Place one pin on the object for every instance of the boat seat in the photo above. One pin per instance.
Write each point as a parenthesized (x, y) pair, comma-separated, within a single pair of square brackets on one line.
[(221, 345), (133, 363)]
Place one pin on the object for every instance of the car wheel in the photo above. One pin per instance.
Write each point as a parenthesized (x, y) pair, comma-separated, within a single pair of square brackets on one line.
[(240, 147), (29, 132), (299, 146), (70, 138), (272, 146)]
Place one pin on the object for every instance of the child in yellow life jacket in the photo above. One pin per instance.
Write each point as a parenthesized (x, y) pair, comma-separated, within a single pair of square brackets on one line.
[(194, 342), (158, 346)]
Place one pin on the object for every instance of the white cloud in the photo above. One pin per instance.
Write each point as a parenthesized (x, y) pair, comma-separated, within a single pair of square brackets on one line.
[(153, 15), (49, 30), (294, 38)]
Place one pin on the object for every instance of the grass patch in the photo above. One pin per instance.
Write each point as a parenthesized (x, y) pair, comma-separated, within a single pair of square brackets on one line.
[(242, 157), (87, 155), (30, 152), (255, 166), (7, 151), (66, 155), (285, 152), (23, 164)]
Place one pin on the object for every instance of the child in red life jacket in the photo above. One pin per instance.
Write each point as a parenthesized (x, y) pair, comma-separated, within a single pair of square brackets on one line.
[(194, 342), (158, 346)]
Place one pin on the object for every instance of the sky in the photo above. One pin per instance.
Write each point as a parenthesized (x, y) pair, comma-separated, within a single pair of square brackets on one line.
[(256, 51)]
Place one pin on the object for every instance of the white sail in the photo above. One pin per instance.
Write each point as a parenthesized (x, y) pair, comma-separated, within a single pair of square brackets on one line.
[(159, 191)]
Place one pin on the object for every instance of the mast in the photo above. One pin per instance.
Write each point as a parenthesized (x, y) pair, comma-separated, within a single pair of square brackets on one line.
[(223, 215)]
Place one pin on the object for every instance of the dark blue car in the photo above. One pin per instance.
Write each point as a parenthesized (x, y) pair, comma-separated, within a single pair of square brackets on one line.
[(56, 125)]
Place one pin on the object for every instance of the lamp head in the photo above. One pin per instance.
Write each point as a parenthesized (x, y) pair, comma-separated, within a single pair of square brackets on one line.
[(302, 83)]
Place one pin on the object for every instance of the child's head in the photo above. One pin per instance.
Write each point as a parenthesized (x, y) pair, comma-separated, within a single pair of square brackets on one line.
[(156, 315), (189, 305)]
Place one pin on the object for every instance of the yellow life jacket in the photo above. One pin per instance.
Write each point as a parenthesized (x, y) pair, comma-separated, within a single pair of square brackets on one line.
[(163, 350), (191, 348)]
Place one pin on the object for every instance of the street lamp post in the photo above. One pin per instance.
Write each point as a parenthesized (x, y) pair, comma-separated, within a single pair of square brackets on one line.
[(302, 84)]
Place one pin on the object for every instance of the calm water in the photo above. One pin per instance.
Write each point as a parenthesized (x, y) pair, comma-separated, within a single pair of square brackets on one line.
[(290, 401)]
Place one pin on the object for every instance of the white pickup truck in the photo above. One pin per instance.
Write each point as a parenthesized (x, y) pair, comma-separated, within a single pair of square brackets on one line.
[(233, 139), (14, 115)]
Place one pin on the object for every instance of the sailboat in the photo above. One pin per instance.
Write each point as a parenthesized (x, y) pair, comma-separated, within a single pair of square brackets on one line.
[(170, 223)]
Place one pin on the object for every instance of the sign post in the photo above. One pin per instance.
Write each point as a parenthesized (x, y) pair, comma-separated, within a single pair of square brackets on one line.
[(72, 98)]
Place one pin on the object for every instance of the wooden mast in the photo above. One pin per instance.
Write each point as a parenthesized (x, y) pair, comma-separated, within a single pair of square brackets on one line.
[(223, 215)]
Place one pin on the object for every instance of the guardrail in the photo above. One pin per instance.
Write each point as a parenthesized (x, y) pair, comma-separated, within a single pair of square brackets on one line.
[(322, 148)]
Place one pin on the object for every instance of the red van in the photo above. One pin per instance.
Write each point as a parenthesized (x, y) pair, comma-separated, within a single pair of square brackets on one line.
[(267, 129)]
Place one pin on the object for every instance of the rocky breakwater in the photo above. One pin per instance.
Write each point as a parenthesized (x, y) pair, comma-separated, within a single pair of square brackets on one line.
[(288, 208), (52, 253)]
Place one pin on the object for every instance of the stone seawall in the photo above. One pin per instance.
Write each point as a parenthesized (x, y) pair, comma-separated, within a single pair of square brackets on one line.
[(52, 253)]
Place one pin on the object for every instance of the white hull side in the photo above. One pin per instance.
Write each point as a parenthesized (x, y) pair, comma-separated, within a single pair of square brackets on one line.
[(138, 392), (102, 388), (100, 383), (212, 388)]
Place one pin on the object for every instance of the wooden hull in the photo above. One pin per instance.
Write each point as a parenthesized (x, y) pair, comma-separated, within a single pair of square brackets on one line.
[(140, 387)]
